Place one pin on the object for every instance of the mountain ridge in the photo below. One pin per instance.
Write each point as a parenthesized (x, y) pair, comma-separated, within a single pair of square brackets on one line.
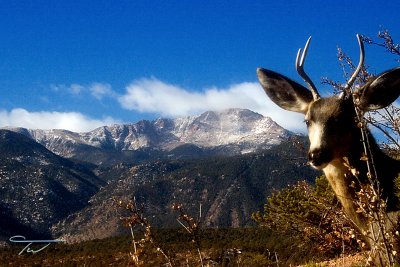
[(243, 128)]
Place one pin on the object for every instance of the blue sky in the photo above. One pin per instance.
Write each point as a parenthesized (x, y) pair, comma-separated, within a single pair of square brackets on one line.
[(78, 65)]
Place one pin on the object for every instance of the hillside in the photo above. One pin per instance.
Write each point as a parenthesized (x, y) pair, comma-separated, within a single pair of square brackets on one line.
[(227, 162), (36, 184), (228, 189)]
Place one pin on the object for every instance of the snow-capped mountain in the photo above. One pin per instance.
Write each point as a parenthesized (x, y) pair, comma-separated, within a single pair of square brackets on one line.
[(143, 160), (246, 130)]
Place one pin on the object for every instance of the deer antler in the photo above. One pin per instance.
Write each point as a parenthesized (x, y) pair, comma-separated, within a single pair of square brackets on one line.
[(302, 73), (353, 77)]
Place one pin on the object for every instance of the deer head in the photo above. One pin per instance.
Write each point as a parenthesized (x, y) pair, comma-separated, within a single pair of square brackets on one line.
[(335, 139), (331, 120)]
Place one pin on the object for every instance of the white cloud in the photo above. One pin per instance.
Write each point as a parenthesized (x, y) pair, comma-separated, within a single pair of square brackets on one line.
[(154, 96), (72, 121), (150, 95), (74, 88), (99, 90)]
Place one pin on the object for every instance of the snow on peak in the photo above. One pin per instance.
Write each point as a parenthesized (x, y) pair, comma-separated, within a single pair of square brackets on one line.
[(242, 127)]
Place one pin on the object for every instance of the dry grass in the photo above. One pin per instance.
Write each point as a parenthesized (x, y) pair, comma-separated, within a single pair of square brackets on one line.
[(346, 261)]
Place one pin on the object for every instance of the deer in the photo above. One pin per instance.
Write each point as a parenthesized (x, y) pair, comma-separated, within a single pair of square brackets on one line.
[(337, 144)]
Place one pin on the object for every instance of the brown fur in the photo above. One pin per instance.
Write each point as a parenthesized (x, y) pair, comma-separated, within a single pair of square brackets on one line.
[(335, 140), (337, 148)]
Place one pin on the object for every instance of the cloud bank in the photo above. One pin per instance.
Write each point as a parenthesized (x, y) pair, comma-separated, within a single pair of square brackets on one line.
[(155, 96), (72, 121)]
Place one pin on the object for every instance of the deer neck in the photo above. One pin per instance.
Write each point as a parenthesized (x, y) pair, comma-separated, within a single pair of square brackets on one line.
[(340, 174), (343, 173), (340, 178)]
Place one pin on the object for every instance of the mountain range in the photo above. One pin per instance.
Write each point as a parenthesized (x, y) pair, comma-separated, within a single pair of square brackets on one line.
[(243, 130), (64, 184)]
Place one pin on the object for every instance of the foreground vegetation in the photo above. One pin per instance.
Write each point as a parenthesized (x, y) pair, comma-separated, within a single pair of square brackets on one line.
[(220, 247)]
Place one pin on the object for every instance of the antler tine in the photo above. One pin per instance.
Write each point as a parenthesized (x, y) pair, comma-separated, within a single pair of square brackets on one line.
[(360, 64), (300, 70)]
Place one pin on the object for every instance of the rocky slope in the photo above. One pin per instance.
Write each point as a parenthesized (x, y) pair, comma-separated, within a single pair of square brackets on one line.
[(37, 187), (229, 190)]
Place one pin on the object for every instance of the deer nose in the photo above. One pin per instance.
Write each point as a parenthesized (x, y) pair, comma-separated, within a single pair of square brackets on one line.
[(314, 155), (318, 158)]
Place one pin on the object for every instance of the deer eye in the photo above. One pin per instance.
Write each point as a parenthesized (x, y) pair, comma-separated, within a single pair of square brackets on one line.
[(307, 122)]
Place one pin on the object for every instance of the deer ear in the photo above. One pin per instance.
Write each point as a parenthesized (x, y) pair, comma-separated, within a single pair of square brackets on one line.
[(380, 91), (284, 92)]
